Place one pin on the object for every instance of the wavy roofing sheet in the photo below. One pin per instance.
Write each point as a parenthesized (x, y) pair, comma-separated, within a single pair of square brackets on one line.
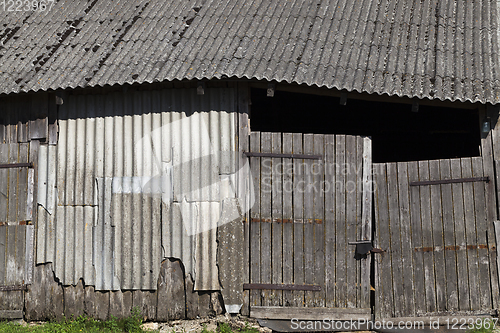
[(135, 178), (436, 49)]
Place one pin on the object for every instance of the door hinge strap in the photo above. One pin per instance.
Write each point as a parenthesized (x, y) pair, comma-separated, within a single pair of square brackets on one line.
[(14, 288), (451, 181), (16, 165), (277, 155), (266, 286)]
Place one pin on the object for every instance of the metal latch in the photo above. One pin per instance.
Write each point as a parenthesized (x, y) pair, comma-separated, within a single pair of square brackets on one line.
[(364, 247)]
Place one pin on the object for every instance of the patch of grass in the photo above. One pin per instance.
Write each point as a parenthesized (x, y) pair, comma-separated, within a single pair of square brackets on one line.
[(225, 328), (131, 324)]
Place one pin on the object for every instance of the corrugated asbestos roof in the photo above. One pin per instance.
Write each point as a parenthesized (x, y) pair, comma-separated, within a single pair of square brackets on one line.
[(446, 49)]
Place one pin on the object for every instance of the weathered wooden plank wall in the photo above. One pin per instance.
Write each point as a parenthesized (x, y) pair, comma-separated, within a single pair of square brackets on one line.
[(14, 184), (18, 123), (12, 269), (174, 298), (306, 213), (437, 257)]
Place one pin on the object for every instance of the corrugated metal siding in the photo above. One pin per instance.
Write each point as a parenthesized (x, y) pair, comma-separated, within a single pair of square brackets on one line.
[(140, 176), (446, 49)]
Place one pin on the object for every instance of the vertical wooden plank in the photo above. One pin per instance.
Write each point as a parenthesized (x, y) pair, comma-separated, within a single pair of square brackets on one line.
[(341, 277), (497, 239), (35, 297), (22, 186), (255, 224), (13, 182), (147, 303), (204, 301), (265, 216), (3, 249), (384, 295), (358, 186), (319, 216), (4, 182), (329, 221), (277, 224), (192, 300), (73, 300), (449, 238), (298, 220), (350, 191), (470, 235), (12, 122), (2, 131), (366, 221), (39, 126), (44, 299), (171, 291), (287, 219), (406, 237), (309, 270), (459, 228), (428, 256), (416, 238), (52, 117), (22, 122), (491, 204), (125, 302), (88, 299), (481, 227), (437, 236), (116, 305), (400, 304), (101, 304)]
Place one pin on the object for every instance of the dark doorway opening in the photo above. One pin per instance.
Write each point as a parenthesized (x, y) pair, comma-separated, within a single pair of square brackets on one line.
[(398, 134)]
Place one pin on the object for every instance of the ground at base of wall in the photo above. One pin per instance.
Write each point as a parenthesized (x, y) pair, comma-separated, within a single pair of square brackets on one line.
[(236, 323)]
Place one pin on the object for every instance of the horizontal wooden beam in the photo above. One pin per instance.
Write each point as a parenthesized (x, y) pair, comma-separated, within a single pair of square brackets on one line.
[(288, 313), (303, 89), (451, 181), (267, 286), (276, 155), (11, 314), (16, 165), (13, 288)]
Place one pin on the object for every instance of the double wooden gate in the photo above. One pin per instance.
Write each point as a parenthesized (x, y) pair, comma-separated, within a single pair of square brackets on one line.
[(433, 231), (311, 202)]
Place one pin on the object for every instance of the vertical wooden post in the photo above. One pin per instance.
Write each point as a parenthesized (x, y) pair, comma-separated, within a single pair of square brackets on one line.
[(366, 217), (490, 152)]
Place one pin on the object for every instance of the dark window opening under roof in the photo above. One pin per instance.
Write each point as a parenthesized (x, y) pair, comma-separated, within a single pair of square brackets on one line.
[(398, 134)]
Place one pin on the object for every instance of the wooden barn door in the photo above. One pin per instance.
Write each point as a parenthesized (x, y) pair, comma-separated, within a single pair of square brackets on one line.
[(434, 222), (313, 198), (16, 233)]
